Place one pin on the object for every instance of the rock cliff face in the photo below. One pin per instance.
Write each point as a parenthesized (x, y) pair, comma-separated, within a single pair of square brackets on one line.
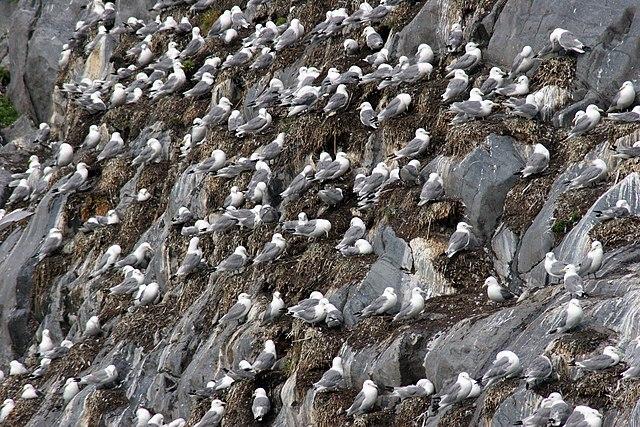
[(166, 351)]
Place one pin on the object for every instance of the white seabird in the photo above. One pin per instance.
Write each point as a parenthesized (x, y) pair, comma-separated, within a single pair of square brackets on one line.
[(432, 190), (275, 308), (372, 39), (368, 115), (505, 365), (261, 405), (331, 379), (493, 82), (610, 357), (573, 282), (137, 257), (519, 88), (456, 392), (365, 400), (456, 86), (271, 250), (334, 169), (107, 260), (455, 39), (523, 62), (212, 164), (460, 239), (563, 39), (569, 318), (592, 261), (495, 291), (214, 415), (355, 231), (620, 210), (255, 125), (537, 162), (590, 174), (101, 378), (399, 105), (290, 36), (75, 181), (624, 98), (381, 305), (413, 307), (416, 147), (113, 147), (234, 262), (360, 247), (92, 327), (192, 259), (584, 416), (469, 60), (266, 359), (422, 388), (239, 310), (147, 294), (538, 371), (51, 242)]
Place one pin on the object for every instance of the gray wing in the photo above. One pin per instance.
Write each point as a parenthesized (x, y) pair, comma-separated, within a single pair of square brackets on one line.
[(561, 322), (507, 90), (236, 312), (331, 379), (526, 110), (306, 228), (234, 262), (392, 108), (111, 149), (287, 38), (376, 305), (588, 175), (102, 262), (597, 363), (264, 361), (557, 268), (573, 284), (576, 419), (413, 148), (464, 62), (451, 394), (351, 235), (498, 369), (210, 419), (73, 183), (539, 368), (308, 314), (297, 186), (270, 252), (516, 64), (367, 118), (253, 125), (270, 151), (126, 287), (201, 88), (408, 391), (50, 244), (191, 261), (431, 191), (328, 171), (330, 197), (582, 125), (536, 163), (357, 404), (260, 406), (458, 241), (99, 377), (471, 108), (629, 151), (560, 412), (489, 85), (629, 117), (372, 183), (569, 41), (128, 260), (336, 102), (192, 48)]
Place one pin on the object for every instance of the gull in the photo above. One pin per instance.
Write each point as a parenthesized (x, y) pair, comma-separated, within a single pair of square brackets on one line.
[(92, 327), (432, 189), (65, 55), (314, 228), (143, 195), (16, 368), (493, 82), (217, 113), (468, 61), (373, 39), (299, 184), (271, 250), (381, 305), (378, 58), (211, 65), (261, 405), (290, 36), (235, 198), (332, 196), (523, 62), (234, 121), (372, 184), (312, 301), (382, 74), (586, 122), (42, 369), (255, 125), (202, 5), (628, 117), (248, 218), (540, 417), (521, 87), (565, 40), (331, 379), (457, 86), (192, 259), (275, 309), (397, 106), (413, 307), (609, 358), (134, 96), (506, 365), (424, 54), (51, 243), (338, 101), (590, 174), (360, 247), (379, 12), (152, 153), (410, 173), (411, 74), (21, 192), (107, 260), (76, 180), (365, 400), (592, 261), (456, 392), (569, 318), (263, 60), (627, 152), (584, 416), (183, 216), (102, 378), (422, 388), (455, 40), (184, 26), (131, 283), (553, 267), (7, 407), (234, 262), (174, 83), (472, 109), (214, 415), (229, 35), (119, 95), (266, 359), (538, 371), (222, 24), (537, 163), (624, 98), (199, 227), (333, 170), (145, 56), (355, 231), (262, 175), (239, 59), (620, 210), (137, 257), (213, 163), (239, 311), (303, 99), (359, 15), (60, 351), (313, 312), (194, 46), (460, 239), (267, 34), (350, 47), (112, 148), (238, 19), (350, 77), (202, 88), (46, 344), (271, 95), (147, 295), (495, 291), (70, 390), (271, 150), (30, 392), (93, 137), (416, 147)]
